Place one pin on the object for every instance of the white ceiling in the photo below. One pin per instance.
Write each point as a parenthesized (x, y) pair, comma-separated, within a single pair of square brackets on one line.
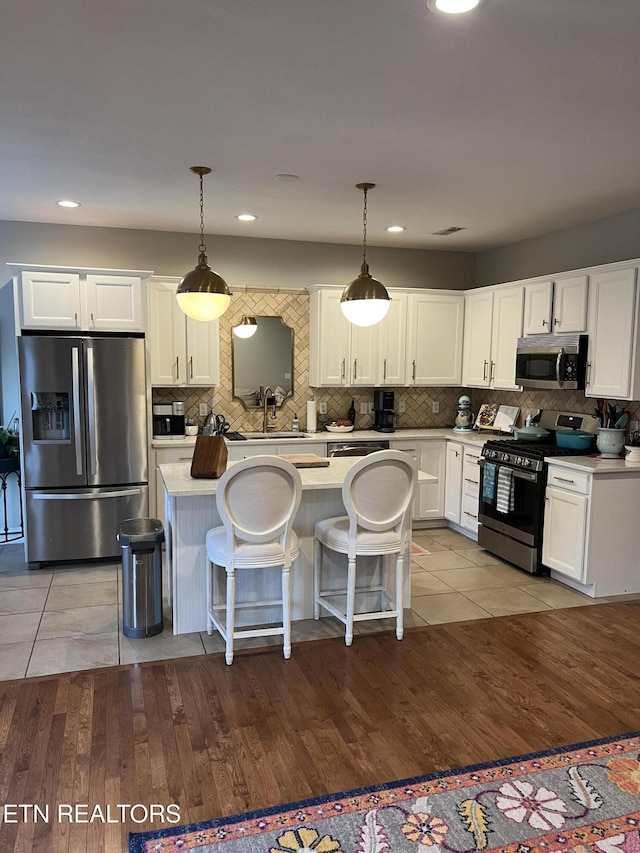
[(513, 121)]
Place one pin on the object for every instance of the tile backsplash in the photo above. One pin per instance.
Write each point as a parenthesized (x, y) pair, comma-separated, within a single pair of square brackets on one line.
[(293, 307)]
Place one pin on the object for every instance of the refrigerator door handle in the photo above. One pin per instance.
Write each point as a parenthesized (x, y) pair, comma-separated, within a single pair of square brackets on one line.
[(91, 411), (77, 435), (75, 496)]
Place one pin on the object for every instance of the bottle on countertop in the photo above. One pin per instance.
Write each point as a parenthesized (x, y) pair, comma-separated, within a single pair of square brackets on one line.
[(351, 414), (295, 424)]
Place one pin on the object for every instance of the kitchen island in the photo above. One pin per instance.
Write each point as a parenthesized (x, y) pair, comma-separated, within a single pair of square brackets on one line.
[(191, 511)]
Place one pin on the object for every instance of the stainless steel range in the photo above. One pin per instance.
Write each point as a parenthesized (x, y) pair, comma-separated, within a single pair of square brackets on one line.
[(513, 478)]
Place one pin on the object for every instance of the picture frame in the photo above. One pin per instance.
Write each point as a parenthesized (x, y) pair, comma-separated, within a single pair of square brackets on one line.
[(486, 416)]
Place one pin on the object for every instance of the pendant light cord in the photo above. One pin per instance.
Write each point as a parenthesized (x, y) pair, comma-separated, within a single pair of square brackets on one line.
[(202, 246), (364, 229)]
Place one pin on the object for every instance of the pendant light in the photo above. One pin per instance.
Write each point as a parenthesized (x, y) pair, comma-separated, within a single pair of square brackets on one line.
[(202, 294), (365, 301), (248, 326)]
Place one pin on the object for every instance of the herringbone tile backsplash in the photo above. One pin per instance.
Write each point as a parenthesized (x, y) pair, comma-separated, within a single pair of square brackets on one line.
[(294, 309)]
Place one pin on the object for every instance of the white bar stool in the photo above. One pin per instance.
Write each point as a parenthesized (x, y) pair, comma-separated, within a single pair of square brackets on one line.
[(378, 494), (257, 500)]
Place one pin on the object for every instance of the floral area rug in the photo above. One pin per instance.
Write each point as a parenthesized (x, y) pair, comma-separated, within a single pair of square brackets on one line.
[(583, 798)]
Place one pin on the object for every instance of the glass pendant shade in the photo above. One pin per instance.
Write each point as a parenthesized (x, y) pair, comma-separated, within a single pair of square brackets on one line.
[(248, 327), (365, 300), (203, 294)]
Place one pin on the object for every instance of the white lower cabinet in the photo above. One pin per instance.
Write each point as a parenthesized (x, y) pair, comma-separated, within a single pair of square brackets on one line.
[(591, 536), (565, 523), (470, 489), (453, 482), (430, 457), (462, 486)]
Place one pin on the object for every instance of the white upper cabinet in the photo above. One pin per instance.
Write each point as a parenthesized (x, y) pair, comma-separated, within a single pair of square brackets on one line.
[(341, 354), (392, 342), (476, 359), (435, 327), (419, 342), (51, 298), (556, 306), (612, 366), (115, 302), (493, 324), (182, 351), (505, 330)]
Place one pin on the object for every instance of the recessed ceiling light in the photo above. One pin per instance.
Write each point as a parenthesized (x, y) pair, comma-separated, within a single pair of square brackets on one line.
[(66, 202), (246, 217), (285, 178), (453, 7), (395, 228)]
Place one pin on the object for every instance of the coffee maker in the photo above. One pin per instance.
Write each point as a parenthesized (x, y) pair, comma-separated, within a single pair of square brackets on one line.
[(384, 415), (168, 420)]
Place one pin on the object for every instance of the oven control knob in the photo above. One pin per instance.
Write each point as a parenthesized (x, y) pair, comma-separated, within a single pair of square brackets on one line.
[(526, 463)]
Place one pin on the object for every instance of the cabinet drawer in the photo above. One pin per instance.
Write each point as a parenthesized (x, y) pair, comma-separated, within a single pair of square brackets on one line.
[(471, 474), (177, 454), (469, 514), (571, 480)]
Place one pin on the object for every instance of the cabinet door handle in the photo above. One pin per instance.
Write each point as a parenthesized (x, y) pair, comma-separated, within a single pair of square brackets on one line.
[(413, 375), (177, 367), (556, 322), (469, 480), (484, 372), (93, 321), (587, 380), (191, 367), (493, 365), (343, 369), (564, 480), (470, 514), (355, 369), (75, 317), (384, 372), (544, 322)]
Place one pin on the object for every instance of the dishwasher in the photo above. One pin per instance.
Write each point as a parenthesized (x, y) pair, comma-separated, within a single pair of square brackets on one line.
[(355, 448)]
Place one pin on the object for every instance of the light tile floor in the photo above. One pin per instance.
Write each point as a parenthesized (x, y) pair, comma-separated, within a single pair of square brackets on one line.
[(62, 619)]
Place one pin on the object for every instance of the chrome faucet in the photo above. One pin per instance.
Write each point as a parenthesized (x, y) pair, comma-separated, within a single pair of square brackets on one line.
[(266, 395)]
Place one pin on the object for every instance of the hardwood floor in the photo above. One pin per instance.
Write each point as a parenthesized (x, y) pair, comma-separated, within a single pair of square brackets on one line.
[(218, 740)]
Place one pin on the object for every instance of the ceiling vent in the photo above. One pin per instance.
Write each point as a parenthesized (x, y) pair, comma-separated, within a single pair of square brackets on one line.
[(446, 231)]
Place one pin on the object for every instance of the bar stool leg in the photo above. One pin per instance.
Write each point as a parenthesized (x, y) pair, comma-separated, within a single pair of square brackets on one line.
[(317, 557), (399, 597), (351, 600), (230, 615), (286, 612)]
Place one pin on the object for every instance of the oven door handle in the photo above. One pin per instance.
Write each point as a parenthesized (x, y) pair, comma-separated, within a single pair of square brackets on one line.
[(519, 475)]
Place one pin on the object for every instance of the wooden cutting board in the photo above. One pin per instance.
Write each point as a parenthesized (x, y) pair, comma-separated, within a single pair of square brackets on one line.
[(305, 460)]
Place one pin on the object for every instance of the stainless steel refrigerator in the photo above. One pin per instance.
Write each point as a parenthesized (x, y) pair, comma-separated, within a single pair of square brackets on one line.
[(84, 443)]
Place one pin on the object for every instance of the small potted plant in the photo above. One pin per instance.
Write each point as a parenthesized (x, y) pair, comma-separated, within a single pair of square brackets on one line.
[(9, 442)]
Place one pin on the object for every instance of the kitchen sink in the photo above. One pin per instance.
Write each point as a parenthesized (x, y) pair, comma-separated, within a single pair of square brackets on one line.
[(278, 435)]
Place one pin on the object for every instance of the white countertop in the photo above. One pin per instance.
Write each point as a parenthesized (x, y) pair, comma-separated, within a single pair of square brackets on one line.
[(418, 433), (179, 482), (595, 465)]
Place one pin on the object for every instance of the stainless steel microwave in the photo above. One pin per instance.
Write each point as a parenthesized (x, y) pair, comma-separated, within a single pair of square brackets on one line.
[(552, 361)]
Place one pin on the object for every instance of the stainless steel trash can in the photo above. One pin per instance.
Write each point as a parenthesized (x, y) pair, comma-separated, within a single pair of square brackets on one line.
[(141, 540)]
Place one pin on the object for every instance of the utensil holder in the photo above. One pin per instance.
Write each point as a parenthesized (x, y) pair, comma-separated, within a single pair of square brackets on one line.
[(610, 442)]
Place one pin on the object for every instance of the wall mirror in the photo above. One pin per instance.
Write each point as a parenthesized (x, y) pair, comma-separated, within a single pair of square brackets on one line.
[(263, 359)]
